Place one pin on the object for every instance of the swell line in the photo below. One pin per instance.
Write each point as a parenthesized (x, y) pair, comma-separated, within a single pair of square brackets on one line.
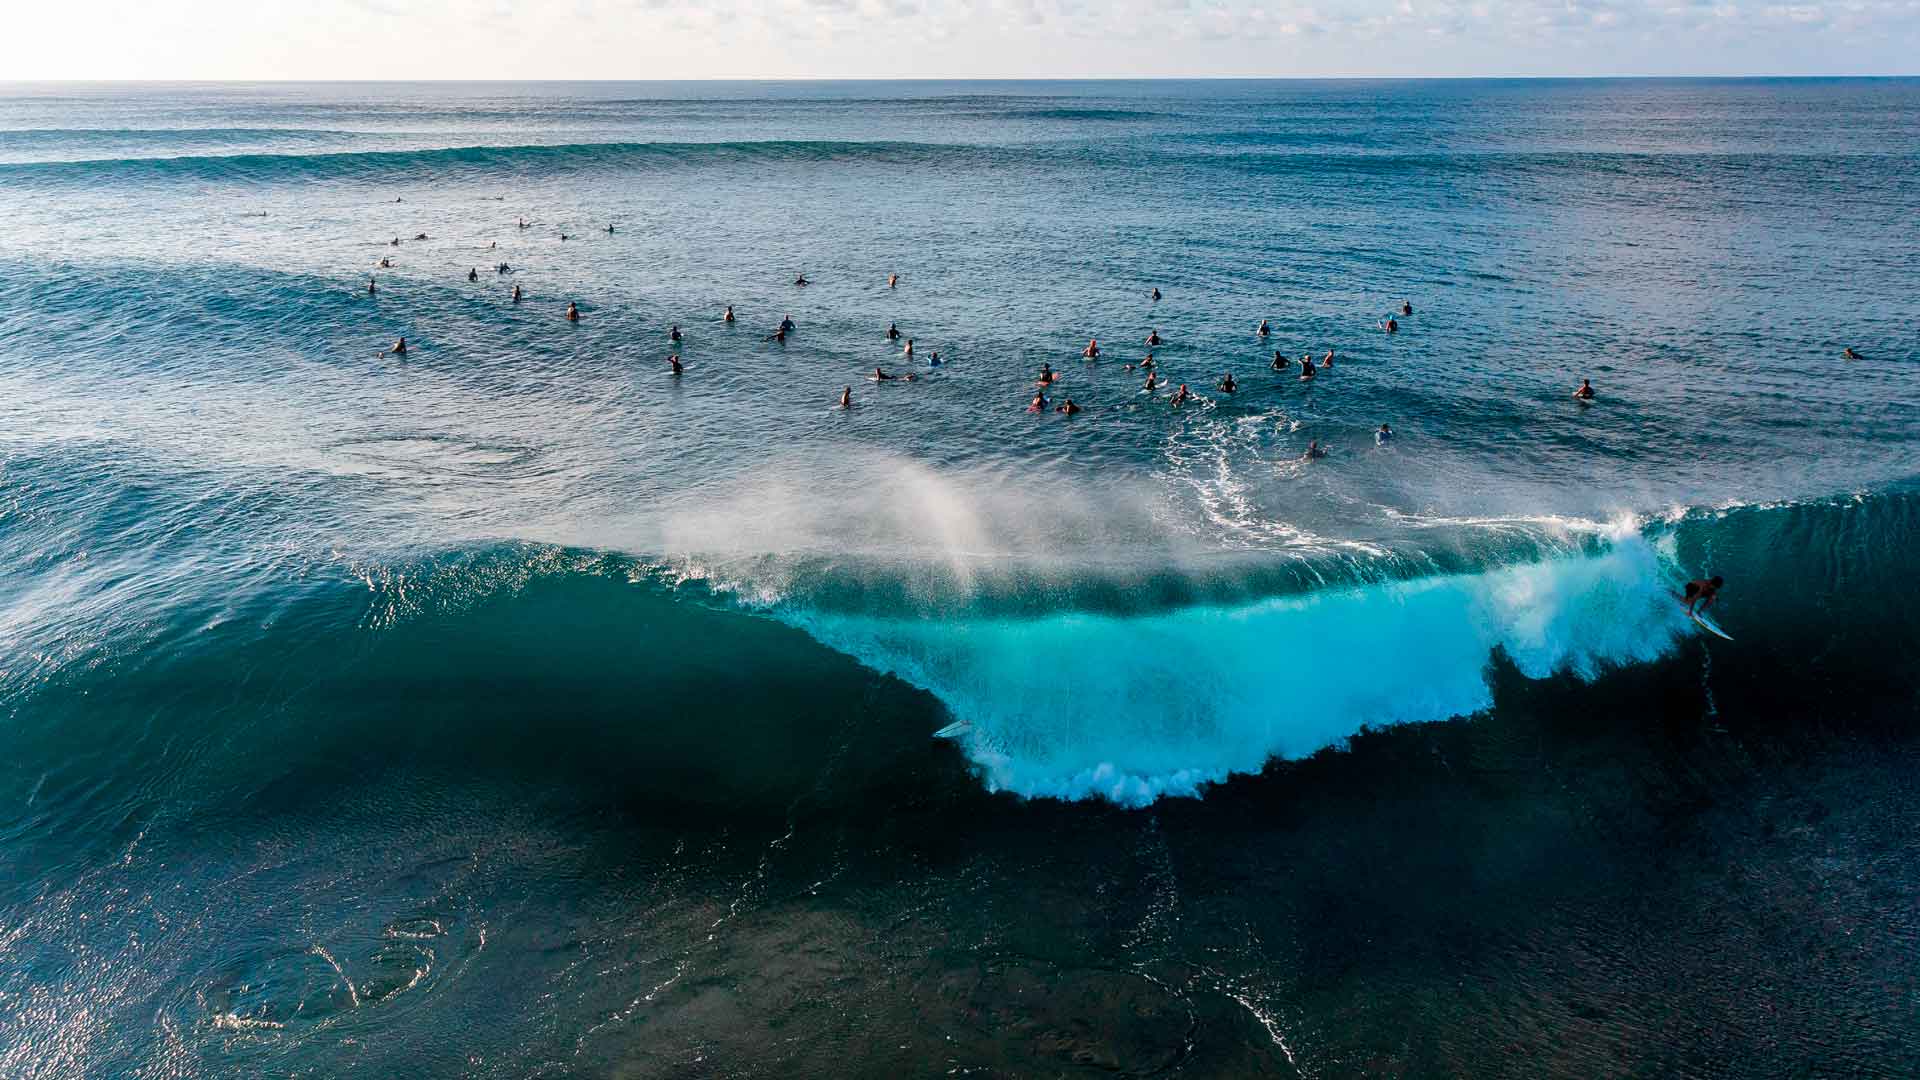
[(542, 158)]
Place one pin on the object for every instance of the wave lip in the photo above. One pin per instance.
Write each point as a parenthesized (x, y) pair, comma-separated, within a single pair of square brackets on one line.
[(1135, 708)]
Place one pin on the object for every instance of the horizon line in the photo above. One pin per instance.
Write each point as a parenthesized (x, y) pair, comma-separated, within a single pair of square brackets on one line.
[(988, 78)]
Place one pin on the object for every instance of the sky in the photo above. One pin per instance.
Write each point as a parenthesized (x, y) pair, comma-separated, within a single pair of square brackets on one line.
[(779, 39)]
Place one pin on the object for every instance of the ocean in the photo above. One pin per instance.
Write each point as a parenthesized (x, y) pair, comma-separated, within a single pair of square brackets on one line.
[(519, 708)]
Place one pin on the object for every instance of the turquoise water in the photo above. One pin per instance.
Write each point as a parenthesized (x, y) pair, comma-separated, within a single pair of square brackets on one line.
[(518, 708)]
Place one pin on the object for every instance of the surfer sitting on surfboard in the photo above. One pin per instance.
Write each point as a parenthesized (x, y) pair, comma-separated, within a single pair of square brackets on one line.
[(1702, 593)]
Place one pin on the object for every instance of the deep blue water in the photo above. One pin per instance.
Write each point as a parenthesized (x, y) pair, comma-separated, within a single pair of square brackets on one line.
[(518, 708)]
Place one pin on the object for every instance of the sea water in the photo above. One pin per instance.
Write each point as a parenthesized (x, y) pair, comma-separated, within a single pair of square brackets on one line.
[(517, 707)]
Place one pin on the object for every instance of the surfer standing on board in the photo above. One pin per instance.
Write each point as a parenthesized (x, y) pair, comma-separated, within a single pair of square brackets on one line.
[(1702, 593)]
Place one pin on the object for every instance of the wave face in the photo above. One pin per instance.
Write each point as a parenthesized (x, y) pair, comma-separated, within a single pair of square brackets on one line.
[(1130, 709)]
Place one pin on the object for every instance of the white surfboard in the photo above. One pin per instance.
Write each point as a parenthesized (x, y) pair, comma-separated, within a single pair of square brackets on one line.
[(954, 730), (1705, 622)]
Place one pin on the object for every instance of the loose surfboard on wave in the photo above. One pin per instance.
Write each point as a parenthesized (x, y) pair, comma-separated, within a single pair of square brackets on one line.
[(954, 730)]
